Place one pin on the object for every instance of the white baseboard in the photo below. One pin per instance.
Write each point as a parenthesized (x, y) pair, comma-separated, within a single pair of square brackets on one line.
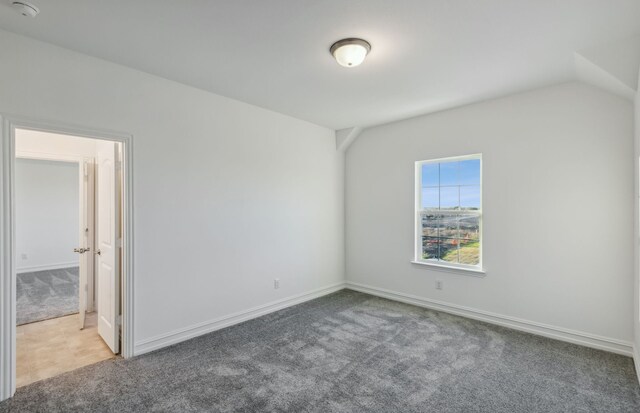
[(183, 334), (559, 333), (46, 267)]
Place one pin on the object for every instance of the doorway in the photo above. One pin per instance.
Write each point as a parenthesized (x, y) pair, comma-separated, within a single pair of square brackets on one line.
[(66, 187), (66, 281)]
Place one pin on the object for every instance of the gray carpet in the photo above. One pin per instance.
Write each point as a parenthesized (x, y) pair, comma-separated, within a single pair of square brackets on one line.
[(46, 294), (349, 352)]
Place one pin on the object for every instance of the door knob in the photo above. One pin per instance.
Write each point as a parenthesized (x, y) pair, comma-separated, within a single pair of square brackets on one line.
[(98, 252), (81, 250)]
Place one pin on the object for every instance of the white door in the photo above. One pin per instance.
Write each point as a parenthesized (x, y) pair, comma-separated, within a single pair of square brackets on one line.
[(108, 251)]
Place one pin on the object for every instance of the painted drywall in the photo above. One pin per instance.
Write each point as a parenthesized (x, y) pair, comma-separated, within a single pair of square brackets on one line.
[(46, 201), (557, 199), (620, 58), (636, 289), (43, 143), (227, 196)]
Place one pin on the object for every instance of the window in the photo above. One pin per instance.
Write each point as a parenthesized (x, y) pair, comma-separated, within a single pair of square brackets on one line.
[(449, 212)]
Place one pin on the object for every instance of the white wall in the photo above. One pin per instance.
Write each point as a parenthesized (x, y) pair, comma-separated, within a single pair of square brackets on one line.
[(636, 289), (228, 196), (44, 143), (558, 202), (46, 201)]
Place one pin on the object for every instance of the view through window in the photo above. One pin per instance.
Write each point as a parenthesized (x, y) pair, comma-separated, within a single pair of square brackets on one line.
[(450, 211)]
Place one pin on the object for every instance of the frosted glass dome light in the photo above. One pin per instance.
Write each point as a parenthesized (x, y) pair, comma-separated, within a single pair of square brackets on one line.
[(350, 52)]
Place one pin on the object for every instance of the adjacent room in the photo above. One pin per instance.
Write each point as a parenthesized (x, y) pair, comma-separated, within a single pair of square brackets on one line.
[(61, 188), (46, 232), (320, 206)]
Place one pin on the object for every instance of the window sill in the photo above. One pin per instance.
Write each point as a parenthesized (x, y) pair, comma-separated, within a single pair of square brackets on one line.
[(475, 272)]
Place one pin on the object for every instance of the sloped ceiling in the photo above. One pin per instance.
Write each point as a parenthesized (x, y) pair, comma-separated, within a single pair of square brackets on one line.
[(612, 66), (427, 55)]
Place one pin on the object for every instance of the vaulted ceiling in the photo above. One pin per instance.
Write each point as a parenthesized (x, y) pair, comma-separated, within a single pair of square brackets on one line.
[(427, 55)]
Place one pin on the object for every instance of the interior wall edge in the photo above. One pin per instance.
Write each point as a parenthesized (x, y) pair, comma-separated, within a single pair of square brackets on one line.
[(196, 330), (557, 333), (636, 216)]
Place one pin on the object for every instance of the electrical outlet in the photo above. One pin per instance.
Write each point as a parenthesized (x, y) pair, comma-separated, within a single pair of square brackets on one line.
[(24, 256), (276, 283), (438, 284)]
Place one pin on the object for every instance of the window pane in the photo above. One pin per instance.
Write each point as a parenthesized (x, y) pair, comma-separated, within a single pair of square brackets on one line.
[(469, 172), (450, 201), (430, 198), (448, 173), (430, 248), (469, 252), (449, 250), (430, 225), (430, 174), (449, 226), (470, 197), (449, 197), (469, 228)]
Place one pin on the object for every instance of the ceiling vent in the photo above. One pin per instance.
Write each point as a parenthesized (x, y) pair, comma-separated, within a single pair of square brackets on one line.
[(25, 8)]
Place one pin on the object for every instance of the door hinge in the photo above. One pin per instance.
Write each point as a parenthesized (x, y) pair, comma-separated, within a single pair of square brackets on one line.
[(85, 169)]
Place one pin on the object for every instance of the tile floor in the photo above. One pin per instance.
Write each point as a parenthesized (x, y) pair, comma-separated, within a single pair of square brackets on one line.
[(48, 348)]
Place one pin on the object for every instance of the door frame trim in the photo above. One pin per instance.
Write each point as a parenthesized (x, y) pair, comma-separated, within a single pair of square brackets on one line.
[(7, 237)]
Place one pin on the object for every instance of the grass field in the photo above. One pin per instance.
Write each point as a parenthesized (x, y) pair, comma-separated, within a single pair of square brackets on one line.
[(469, 254)]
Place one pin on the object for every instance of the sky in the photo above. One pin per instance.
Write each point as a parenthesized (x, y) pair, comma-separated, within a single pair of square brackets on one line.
[(451, 184)]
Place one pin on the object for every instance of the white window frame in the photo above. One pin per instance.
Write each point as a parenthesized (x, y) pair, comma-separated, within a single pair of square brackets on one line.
[(478, 269)]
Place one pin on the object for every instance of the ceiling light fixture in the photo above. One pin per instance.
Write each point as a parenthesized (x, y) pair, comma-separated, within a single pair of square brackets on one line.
[(350, 52), (25, 8)]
